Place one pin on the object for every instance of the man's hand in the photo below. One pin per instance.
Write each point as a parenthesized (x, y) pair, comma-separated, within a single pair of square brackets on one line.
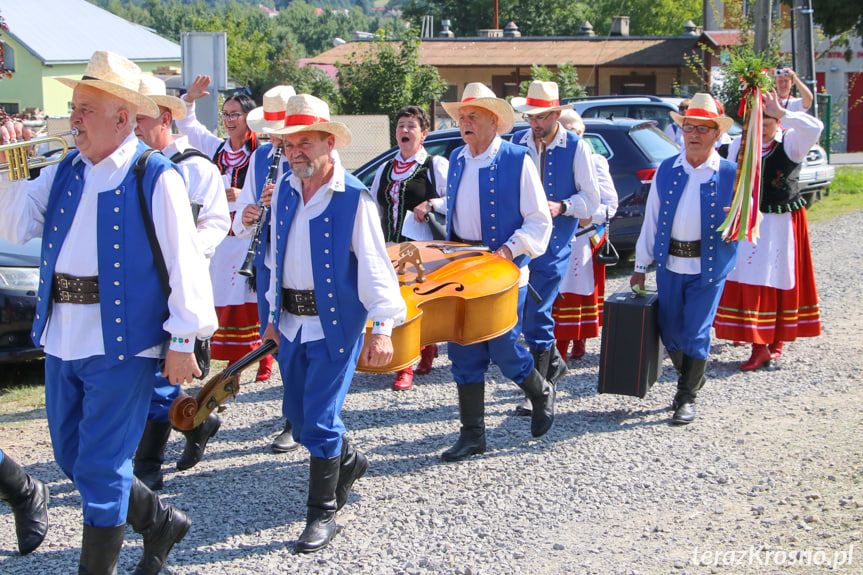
[(378, 350), (504, 252), (584, 222), (270, 333), (637, 280), (180, 367), (251, 213), (556, 208), (10, 132), (421, 211), (198, 88), (773, 105), (232, 194), (267, 194)]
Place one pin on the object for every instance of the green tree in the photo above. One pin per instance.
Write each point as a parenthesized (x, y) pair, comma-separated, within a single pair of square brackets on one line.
[(386, 78), (566, 78), (305, 79)]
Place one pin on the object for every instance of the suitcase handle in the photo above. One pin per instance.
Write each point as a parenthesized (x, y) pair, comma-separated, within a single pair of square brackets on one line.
[(639, 291)]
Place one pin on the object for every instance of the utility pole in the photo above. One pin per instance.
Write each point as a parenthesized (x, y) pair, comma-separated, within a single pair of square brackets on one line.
[(804, 54), (762, 26)]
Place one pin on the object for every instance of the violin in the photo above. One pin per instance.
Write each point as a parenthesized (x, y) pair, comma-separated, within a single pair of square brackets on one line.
[(453, 292), (187, 413)]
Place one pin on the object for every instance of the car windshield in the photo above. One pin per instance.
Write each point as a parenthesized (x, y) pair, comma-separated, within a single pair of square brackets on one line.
[(653, 143)]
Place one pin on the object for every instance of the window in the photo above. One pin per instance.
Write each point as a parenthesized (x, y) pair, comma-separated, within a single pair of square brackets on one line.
[(8, 57), (9, 107)]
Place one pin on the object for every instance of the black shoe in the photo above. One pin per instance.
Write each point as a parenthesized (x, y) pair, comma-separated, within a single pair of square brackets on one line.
[(471, 438), (100, 550), (525, 408), (321, 515), (196, 441), (541, 394), (160, 525), (151, 454), (354, 465), (556, 366), (684, 413), (28, 498), (285, 441)]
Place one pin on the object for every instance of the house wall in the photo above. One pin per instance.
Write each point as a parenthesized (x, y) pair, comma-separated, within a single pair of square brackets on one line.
[(24, 88)]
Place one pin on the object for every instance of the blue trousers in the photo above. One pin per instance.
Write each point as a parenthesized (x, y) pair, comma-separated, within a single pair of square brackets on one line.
[(546, 273), (686, 311), (315, 390), (470, 362), (96, 415)]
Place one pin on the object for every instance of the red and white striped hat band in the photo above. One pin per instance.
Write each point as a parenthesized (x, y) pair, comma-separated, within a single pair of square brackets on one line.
[(306, 113), (542, 97), (271, 115), (704, 107), (477, 94)]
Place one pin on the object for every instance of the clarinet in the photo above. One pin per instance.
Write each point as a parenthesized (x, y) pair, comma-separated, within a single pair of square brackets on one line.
[(248, 268)]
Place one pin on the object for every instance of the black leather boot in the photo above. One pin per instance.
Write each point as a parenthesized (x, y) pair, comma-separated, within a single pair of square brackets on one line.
[(321, 515), (161, 526), (151, 454), (353, 466), (100, 550), (28, 498), (556, 366), (471, 409), (196, 441), (546, 362), (541, 395), (691, 381), (676, 360), (285, 440)]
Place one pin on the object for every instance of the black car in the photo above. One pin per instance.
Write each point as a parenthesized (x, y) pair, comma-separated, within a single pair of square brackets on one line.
[(633, 149), (19, 279)]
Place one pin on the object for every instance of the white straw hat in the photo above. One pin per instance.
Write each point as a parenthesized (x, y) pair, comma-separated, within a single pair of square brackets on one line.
[(305, 113), (479, 95), (703, 107), (541, 97), (117, 76), (271, 115), (155, 89)]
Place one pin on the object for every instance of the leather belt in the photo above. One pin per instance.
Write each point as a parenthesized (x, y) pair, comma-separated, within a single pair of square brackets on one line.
[(71, 289), (299, 302), (685, 249), (454, 238)]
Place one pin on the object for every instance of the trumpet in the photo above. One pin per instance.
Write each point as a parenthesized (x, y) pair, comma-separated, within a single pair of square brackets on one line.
[(20, 163)]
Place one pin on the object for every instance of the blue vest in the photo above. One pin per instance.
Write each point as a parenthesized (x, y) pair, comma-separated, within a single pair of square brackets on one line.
[(132, 303), (717, 257), (559, 184), (499, 195), (334, 265)]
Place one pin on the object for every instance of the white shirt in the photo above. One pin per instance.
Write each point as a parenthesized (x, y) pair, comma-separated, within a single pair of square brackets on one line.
[(686, 226), (74, 331), (204, 185), (607, 192), (248, 195), (674, 133), (440, 165), (533, 235), (586, 200), (798, 131), (202, 139), (377, 284)]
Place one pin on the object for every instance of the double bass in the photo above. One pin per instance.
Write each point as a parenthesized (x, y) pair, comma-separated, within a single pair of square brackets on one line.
[(454, 292)]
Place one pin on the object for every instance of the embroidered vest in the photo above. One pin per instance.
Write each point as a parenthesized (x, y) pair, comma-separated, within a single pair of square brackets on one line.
[(239, 175), (559, 184), (414, 191), (717, 257), (132, 303), (499, 195), (334, 265), (779, 189)]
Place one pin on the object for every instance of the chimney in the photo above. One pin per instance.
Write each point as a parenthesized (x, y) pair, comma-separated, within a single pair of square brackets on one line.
[(491, 33), (690, 29), (511, 31), (586, 29), (620, 26), (446, 32)]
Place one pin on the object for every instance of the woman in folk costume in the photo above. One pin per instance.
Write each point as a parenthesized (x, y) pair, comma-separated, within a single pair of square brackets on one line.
[(408, 188), (578, 313), (770, 296), (236, 304)]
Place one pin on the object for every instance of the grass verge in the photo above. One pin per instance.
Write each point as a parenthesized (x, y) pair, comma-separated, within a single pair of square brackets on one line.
[(846, 195)]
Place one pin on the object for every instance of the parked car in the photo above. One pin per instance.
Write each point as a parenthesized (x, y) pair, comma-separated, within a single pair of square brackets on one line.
[(633, 148), (19, 279)]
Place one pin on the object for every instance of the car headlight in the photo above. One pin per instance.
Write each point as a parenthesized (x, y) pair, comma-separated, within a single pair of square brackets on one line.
[(23, 279)]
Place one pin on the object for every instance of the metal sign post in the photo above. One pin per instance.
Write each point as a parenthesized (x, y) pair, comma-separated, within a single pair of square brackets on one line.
[(206, 54)]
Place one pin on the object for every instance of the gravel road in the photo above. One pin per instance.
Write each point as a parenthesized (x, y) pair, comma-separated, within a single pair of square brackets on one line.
[(767, 480)]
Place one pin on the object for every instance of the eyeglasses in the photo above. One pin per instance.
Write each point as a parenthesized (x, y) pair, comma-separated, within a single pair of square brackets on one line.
[(689, 128), (230, 115), (535, 117)]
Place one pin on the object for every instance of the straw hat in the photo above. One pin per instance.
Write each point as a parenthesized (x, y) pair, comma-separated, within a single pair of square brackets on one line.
[(542, 97), (117, 76), (154, 88), (305, 113), (703, 107), (271, 116), (479, 95)]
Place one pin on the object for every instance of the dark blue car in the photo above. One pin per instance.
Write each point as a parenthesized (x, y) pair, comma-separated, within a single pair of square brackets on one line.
[(633, 148), (19, 279)]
